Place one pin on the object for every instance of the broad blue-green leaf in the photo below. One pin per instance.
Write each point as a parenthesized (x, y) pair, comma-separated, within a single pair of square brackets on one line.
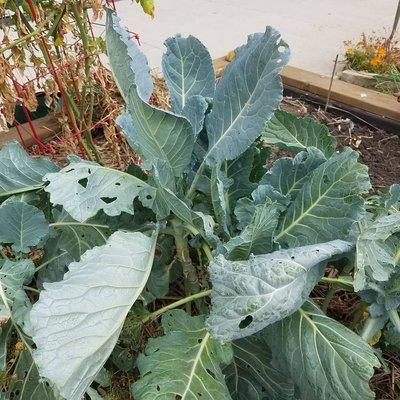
[(246, 96), (392, 335), (251, 375), (250, 295), (84, 188), (325, 359), (375, 256), (22, 225), (129, 64), (28, 384), (293, 133), (258, 218), (184, 363), (19, 172), (77, 237), (328, 204), (156, 134), (195, 112), (239, 171), (90, 304), (288, 175), (188, 70)]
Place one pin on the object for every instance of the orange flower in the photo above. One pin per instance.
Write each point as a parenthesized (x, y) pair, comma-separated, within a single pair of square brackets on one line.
[(381, 52), (375, 61)]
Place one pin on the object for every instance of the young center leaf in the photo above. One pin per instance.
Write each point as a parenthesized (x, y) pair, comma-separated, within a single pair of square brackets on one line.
[(293, 133), (19, 172), (328, 204), (251, 375), (189, 74), (246, 96), (249, 295), (84, 188), (22, 225), (183, 364), (324, 359), (77, 321), (156, 134), (288, 175)]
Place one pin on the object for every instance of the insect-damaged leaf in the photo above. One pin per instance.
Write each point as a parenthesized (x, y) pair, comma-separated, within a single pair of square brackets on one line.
[(184, 363), (251, 375), (84, 188), (250, 295), (90, 305), (325, 359)]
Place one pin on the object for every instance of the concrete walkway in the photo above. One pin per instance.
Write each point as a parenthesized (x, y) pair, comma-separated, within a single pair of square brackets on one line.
[(314, 29)]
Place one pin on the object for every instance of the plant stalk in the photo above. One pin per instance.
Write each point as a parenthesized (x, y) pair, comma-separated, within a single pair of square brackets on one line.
[(336, 281), (176, 304)]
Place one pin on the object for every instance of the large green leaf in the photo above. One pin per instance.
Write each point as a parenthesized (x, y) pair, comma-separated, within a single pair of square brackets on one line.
[(19, 172), (22, 225), (249, 295), (188, 70), (77, 237), (246, 96), (288, 175), (184, 363), (293, 133), (154, 133), (325, 359), (28, 385), (128, 63), (260, 218), (76, 322), (84, 188), (251, 375), (328, 204), (5, 332), (375, 255)]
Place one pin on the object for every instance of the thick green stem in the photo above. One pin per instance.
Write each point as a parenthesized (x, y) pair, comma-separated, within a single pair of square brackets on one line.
[(193, 186), (337, 281), (394, 317), (182, 250), (176, 304), (328, 298), (370, 328)]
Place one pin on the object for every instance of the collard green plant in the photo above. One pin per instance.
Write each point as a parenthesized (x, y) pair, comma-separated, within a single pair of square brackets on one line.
[(203, 221)]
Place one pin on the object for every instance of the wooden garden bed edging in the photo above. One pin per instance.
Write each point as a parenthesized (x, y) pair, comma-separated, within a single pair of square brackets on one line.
[(355, 96)]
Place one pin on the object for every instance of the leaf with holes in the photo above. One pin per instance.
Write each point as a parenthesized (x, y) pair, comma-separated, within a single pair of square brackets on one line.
[(249, 295), (90, 304), (251, 374), (84, 188), (184, 363), (325, 359)]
